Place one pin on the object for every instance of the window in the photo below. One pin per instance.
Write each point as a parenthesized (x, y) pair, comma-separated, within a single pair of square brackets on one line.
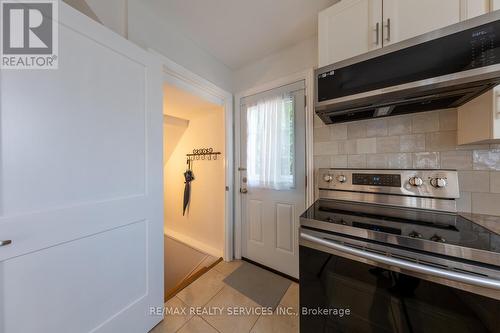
[(270, 143)]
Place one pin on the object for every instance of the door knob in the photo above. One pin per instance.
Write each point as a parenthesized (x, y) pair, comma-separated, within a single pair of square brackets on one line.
[(243, 190), (5, 242)]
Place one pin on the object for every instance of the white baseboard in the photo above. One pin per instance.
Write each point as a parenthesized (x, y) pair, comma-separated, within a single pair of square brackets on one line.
[(194, 243)]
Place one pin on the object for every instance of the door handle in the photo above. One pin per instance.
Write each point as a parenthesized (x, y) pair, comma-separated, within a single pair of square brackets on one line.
[(243, 191), (377, 31), (388, 26), (5, 242), (405, 264)]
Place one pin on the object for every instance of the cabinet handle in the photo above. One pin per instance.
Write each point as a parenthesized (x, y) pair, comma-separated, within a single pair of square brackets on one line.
[(377, 30), (5, 242), (388, 25)]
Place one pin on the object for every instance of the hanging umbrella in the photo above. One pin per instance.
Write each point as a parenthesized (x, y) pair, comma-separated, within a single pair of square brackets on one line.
[(188, 178)]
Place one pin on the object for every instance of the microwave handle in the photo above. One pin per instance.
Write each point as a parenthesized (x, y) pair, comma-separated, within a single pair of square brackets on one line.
[(404, 264)]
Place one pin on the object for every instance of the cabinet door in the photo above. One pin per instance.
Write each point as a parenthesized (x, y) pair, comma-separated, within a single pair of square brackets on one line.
[(473, 8), (495, 4), (403, 19), (349, 28)]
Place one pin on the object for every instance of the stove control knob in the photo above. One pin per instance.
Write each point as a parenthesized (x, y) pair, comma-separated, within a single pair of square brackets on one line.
[(438, 239), (327, 178), (341, 178), (439, 182), (415, 234), (416, 181)]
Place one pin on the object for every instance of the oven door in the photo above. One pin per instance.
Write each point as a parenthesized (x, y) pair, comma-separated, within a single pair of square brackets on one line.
[(344, 288)]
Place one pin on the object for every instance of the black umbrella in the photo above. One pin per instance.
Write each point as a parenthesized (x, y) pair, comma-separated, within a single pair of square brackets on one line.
[(188, 177)]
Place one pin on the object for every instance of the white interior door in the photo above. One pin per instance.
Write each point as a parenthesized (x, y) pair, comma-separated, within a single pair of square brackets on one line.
[(81, 187), (273, 176)]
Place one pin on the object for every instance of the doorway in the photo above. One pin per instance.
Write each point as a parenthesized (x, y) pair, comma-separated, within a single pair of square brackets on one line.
[(273, 175), (194, 186)]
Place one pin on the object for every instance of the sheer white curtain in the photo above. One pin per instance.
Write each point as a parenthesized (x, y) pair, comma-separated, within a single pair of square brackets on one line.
[(270, 142)]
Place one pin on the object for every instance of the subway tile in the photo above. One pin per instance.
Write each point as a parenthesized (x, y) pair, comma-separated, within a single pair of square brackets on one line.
[(338, 131), (448, 120), (464, 203), (388, 144), (474, 181), (356, 130), (366, 146), (376, 161), (456, 159), (348, 146), (399, 125), (426, 160), (376, 128), (399, 161), (486, 203), (440, 141), (486, 159), (425, 122), (339, 161), (322, 134), (356, 161), (412, 143), (323, 161), (325, 148), (495, 181)]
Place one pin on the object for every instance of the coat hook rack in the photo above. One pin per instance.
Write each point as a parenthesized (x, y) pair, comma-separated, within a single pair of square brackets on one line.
[(203, 153)]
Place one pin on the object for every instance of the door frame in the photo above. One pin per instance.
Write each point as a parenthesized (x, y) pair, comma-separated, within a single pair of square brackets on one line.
[(308, 77), (183, 78)]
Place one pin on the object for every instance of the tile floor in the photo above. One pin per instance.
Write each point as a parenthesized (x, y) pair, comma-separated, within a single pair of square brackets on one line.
[(210, 292)]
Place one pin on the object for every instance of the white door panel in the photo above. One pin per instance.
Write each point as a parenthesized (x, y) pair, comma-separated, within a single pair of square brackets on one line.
[(405, 19), (349, 28), (80, 187), (270, 217)]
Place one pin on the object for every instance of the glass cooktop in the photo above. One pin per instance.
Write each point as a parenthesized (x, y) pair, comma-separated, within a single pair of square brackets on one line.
[(404, 223)]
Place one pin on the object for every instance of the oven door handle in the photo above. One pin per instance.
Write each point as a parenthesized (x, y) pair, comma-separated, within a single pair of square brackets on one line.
[(404, 264)]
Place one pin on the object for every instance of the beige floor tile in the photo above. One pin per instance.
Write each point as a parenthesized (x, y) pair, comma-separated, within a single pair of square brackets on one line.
[(203, 289), (197, 325), (227, 268), (291, 297), (227, 299), (173, 320), (277, 323)]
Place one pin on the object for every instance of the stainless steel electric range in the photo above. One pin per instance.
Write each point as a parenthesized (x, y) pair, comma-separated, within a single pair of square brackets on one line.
[(386, 251)]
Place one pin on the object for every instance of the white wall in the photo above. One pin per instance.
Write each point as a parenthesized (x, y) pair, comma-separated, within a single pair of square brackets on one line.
[(296, 58), (135, 21), (204, 222), (112, 13), (148, 30)]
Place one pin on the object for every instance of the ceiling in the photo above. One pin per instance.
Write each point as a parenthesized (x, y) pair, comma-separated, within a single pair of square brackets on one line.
[(239, 32), (182, 104)]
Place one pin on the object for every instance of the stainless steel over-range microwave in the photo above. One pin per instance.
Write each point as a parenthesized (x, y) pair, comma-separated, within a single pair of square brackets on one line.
[(441, 69)]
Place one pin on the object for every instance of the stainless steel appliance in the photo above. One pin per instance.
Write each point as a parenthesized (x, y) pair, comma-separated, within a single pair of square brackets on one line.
[(441, 69), (386, 251)]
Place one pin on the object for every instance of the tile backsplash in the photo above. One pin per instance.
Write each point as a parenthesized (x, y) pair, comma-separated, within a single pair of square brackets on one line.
[(425, 140)]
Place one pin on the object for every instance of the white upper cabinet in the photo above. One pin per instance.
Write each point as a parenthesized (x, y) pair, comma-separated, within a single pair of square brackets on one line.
[(349, 28), (479, 119), (405, 19), (354, 27), (495, 4)]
